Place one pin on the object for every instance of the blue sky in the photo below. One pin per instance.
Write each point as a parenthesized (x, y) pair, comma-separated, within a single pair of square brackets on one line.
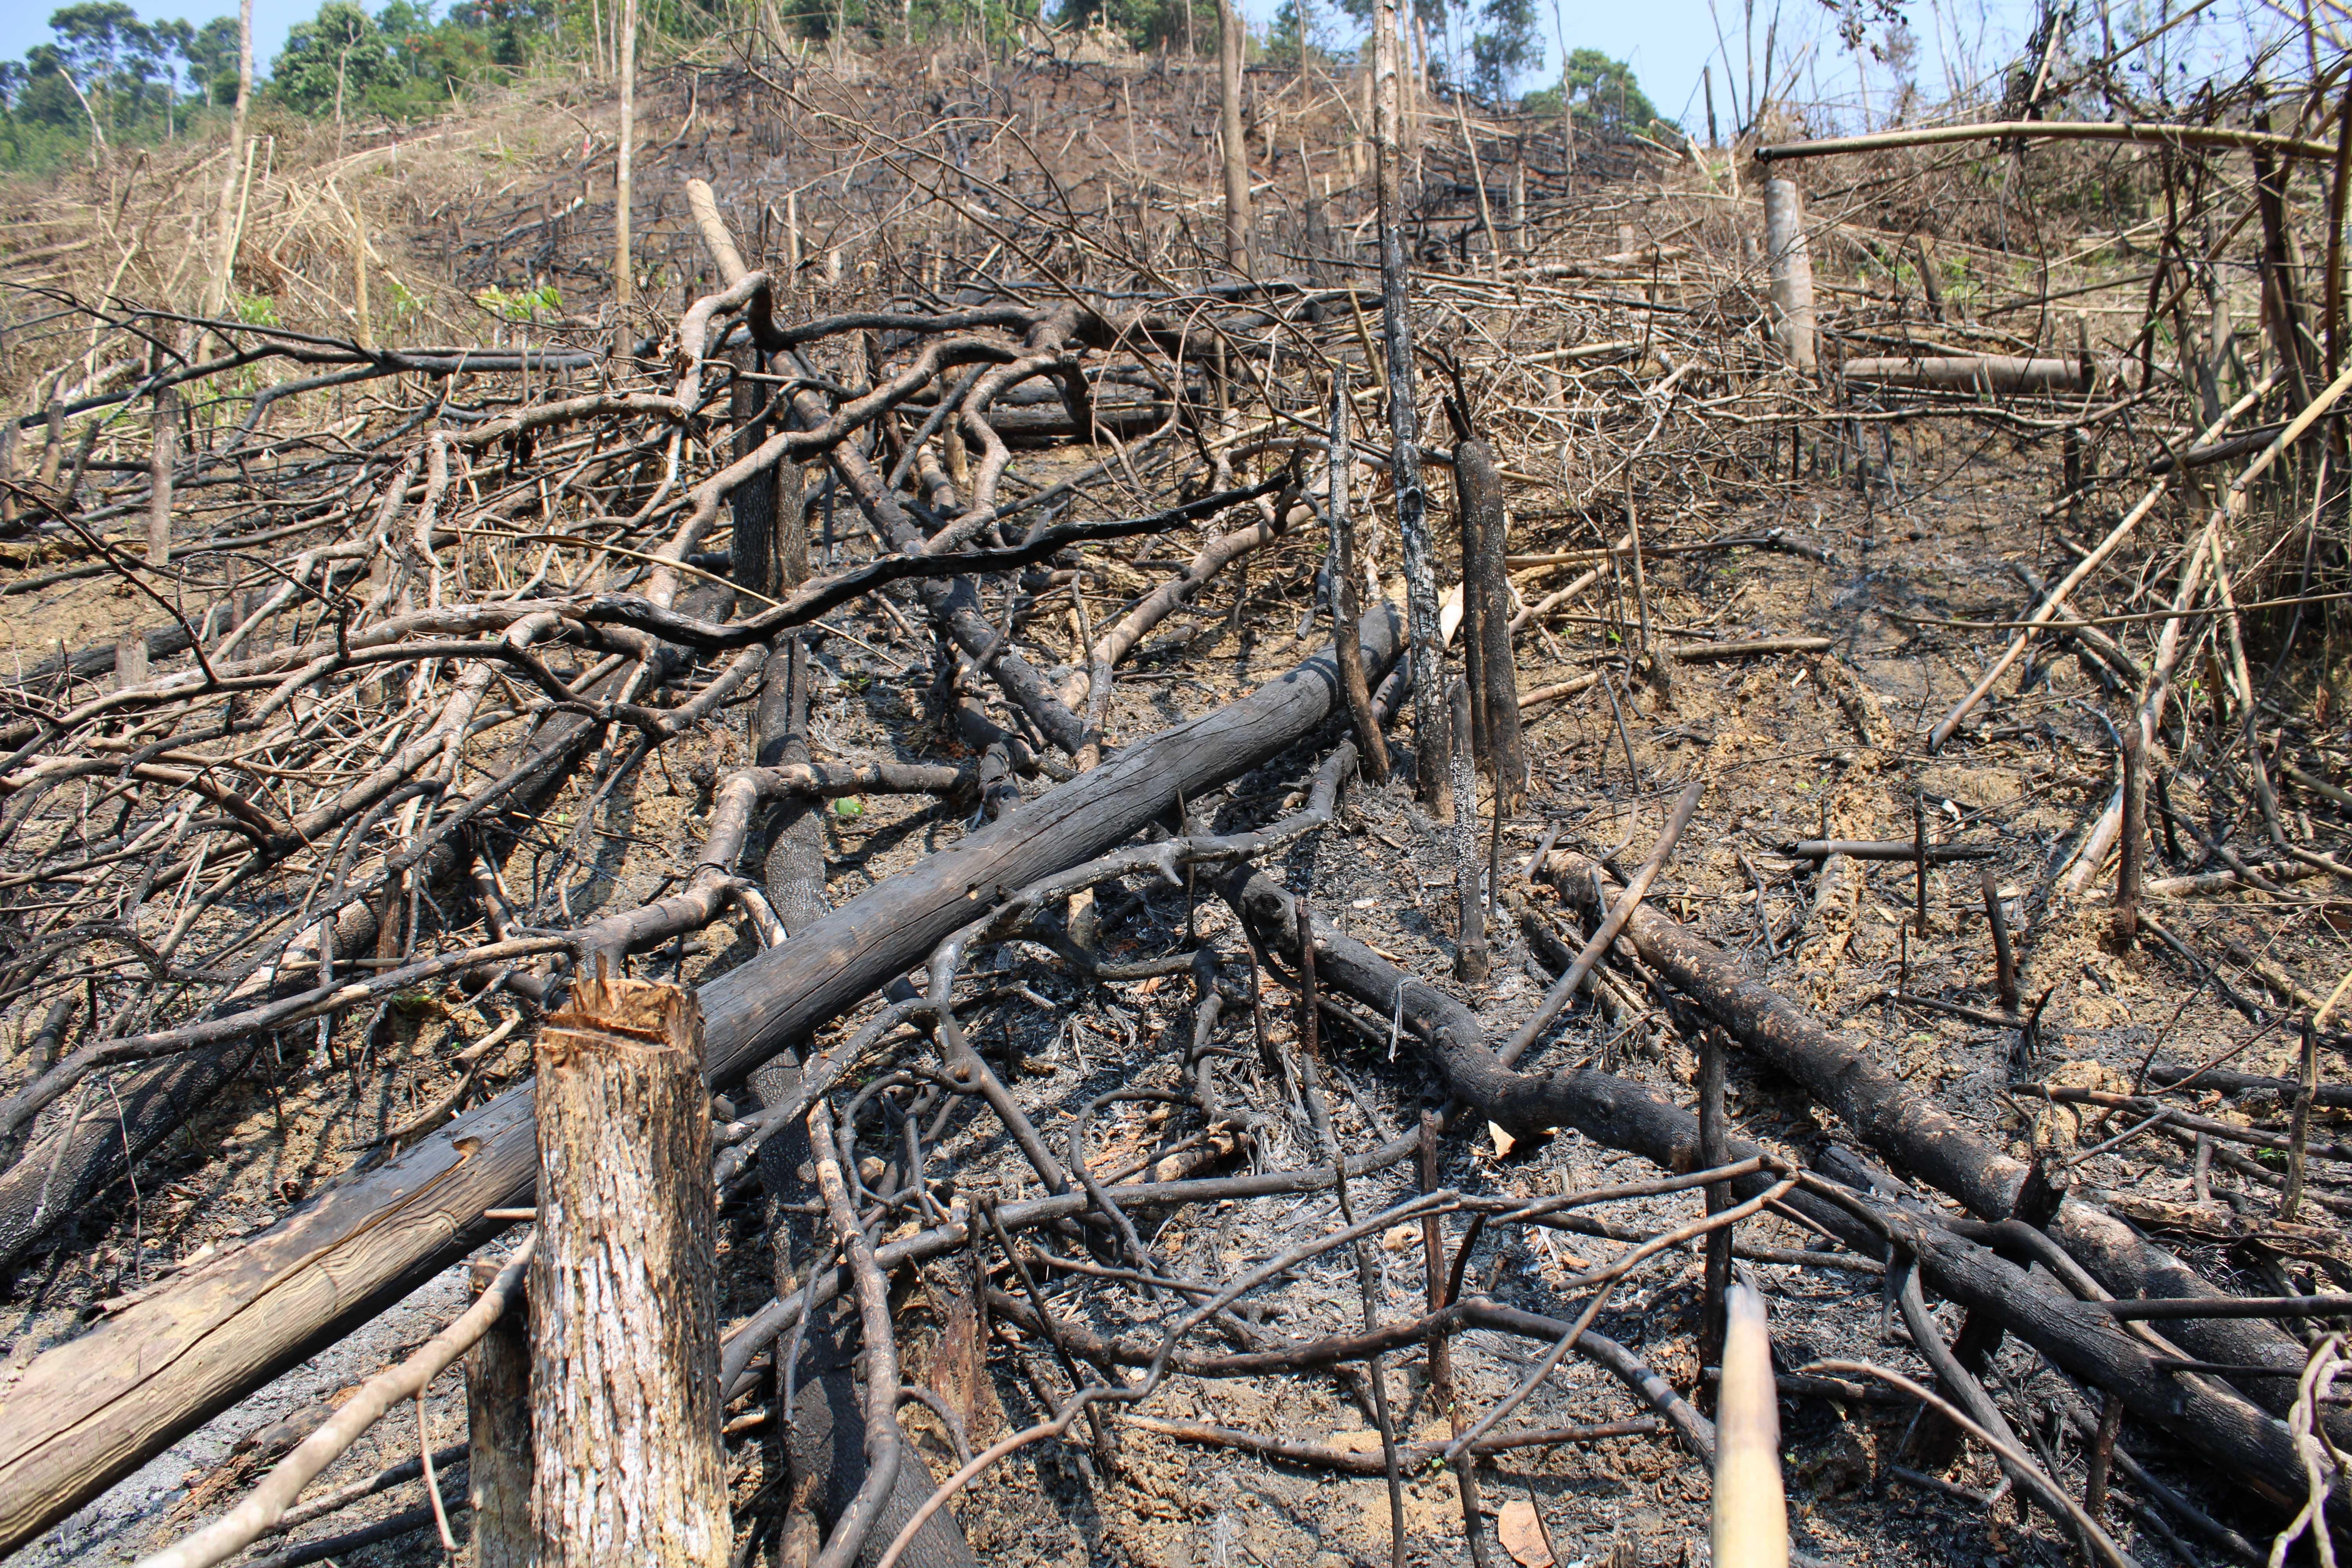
[(1667, 41), (24, 23)]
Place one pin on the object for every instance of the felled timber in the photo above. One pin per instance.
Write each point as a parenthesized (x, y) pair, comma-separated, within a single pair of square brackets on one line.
[(89, 1412), (1883, 1111), (1972, 372), (2078, 1335)]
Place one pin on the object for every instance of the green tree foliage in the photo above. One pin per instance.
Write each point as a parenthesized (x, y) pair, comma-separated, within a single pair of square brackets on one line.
[(1484, 44), (106, 51), (211, 56), (333, 61), (146, 81), (108, 74), (1601, 93), (1503, 45), (1146, 25), (400, 62)]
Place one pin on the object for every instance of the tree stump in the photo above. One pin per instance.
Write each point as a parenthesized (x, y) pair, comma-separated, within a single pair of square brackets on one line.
[(623, 1302), (1790, 271), (497, 1433)]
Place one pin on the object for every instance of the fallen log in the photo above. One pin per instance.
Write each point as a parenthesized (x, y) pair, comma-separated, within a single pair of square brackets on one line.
[(2232, 1082), (1972, 372), (89, 1412), (2079, 1336), (2052, 131), (1750, 647), (1043, 425), (1884, 1112), (1884, 849)]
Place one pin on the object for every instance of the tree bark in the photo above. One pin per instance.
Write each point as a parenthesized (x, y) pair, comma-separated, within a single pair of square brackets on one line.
[(2131, 845), (497, 1435), (628, 1466), (1346, 611), (1235, 139), (757, 504), (624, 277), (795, 871), (217, 287), (162, 453), (1461, 776), (90, 1411), (1495, 702), (1713, 1152), (2282, 309), (1972, 372), (1750, 1516), (1790, 265), (1405, 417)]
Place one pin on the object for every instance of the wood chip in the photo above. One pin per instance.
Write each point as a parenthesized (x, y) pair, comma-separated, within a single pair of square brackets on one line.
[(1523, 1535)]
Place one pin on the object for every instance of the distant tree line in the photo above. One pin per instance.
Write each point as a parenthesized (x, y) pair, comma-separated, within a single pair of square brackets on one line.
[(110, 78)]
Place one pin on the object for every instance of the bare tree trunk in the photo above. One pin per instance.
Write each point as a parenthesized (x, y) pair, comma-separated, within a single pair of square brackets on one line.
[(757, 504), (2332, 286), (1478, 183), (1345, 609), (1404, 418), (2283, 307), (624, 277), (1486, 633), (358, 274), (1237, 141), (1462, 774), (1712, 1145), (1416, 86), (1791, 265), (2130, 850), (224, 216), (623, 1287), (497, 1435), (161, 454), (129, 670), (1750, 1517), (1567, 106)]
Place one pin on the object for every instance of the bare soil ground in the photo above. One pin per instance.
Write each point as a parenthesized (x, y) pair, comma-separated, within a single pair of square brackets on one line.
[(1941, 523), (1783, 762)]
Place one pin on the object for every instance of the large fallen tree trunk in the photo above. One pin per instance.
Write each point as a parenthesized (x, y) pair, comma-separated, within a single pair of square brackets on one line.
[(89, 1412), (2076, 1335), (1933, 1145)]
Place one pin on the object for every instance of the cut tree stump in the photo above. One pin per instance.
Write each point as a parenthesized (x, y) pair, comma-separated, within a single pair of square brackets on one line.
[(624, 1288), (1790, 263)]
